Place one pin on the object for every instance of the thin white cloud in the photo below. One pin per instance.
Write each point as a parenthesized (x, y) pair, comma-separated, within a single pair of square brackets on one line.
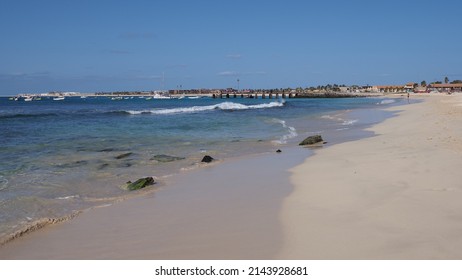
[(234, 56), (149, 77), (235, 73), (23, 75), (228, 73)]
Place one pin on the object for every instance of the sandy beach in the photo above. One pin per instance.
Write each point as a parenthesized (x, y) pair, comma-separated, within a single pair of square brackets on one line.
[(396, 195)]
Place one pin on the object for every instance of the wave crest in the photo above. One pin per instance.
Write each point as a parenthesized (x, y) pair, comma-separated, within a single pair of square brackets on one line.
[(225, 106)]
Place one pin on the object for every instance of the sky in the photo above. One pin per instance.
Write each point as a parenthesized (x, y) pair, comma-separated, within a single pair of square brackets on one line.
[(93, 46)]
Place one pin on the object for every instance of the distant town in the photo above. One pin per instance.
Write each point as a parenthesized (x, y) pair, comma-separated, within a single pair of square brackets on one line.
[(329, 90)]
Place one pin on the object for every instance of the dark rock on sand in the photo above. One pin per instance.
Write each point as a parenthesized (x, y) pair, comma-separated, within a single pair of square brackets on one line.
[(123, 155), (278, 151), (103, 166), (73, 164), (310, 140), (124, 164), (140, 183), (166, 158), (207, 159), (107, 150)]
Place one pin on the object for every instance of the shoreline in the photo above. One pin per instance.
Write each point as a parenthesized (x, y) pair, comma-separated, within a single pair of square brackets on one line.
[(291, 154), (395, 195), (222, 211)]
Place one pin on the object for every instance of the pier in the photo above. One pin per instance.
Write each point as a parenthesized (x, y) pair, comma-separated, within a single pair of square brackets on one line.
[(284, 95), (255, 95)]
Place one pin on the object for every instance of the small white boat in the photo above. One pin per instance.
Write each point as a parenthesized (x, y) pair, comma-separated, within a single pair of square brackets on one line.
[(194, 97), (158, 96), (28, 98), (58, 98)]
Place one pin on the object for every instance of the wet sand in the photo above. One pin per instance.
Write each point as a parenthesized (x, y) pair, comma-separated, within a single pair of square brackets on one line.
[(228, 210), (396, 195)]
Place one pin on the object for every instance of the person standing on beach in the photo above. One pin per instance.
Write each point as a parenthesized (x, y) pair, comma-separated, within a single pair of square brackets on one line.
[(408, 97)]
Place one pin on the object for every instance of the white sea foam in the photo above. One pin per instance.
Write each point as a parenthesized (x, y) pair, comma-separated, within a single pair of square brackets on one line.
[(339, 119), (67, 197), (132, 112), (292, 132), (349, 122), (386, 101), (3, 183), (226, 106)]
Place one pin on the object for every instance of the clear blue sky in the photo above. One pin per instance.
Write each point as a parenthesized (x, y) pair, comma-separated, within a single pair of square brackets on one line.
[(90, 46)]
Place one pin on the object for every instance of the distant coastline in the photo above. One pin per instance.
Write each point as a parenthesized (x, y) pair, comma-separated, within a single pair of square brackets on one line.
[(328, 91)]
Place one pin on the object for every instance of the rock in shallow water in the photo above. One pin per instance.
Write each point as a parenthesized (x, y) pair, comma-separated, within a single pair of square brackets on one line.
[(207, 159), (310, 140), (123, 155), (140, 183), (166, 158)]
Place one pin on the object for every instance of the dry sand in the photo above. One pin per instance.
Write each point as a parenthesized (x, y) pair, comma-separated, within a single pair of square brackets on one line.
[(397, 195)]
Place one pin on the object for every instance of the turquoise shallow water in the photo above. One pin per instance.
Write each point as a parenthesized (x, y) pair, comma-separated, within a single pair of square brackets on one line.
[(61, 156)]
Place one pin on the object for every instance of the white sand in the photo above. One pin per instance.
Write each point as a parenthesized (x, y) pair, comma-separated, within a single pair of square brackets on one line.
[(397, 195)]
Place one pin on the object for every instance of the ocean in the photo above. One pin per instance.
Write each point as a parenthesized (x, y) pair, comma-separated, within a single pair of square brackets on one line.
[(59, 157)]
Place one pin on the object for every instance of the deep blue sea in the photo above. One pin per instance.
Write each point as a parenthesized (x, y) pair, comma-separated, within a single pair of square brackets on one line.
[(57, 157)]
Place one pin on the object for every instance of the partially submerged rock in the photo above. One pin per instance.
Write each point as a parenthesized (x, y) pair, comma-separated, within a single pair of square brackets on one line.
[(166, 158), (107, 150), (73, 164), (123, 155), (207, 159), (103, 166), (310, 140), (140, 183)]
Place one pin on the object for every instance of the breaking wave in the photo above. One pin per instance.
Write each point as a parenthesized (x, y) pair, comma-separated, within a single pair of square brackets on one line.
[(292, 132), (225, 106)]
